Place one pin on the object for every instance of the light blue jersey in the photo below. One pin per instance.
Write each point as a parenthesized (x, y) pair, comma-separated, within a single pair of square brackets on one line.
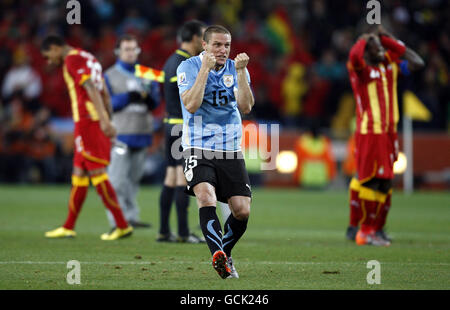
[(217, 124)]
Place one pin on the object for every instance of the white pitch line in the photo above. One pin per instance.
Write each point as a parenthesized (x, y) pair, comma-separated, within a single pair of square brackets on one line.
[(240, 263)]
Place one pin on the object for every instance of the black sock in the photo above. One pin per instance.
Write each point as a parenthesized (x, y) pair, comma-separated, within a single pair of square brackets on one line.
[(165, 203), (182, 204), (234, 229), (210, 225)]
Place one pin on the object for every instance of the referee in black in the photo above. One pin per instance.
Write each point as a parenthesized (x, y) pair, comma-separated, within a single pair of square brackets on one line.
[(190, 35)]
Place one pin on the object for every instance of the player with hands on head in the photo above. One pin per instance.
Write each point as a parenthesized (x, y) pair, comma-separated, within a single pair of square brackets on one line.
[(375, 62)]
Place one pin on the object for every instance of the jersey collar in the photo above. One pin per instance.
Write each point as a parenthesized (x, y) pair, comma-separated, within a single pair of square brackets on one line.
[(183, 53)]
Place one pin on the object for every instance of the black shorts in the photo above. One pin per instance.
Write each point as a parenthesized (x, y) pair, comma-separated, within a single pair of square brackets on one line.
[(173, 158), (224, 170)]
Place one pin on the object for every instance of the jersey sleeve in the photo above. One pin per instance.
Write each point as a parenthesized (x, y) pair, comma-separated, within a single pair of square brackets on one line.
[(356, 57), (77, 67), (186, 75), (395, 48)]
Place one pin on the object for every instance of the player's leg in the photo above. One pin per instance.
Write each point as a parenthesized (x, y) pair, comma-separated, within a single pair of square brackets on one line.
[(382, 212), (118, 172), (372, 166), (209, 222), (167, 194), (136, 173), (386, 187), (182, 204), (236, 224), (234, 187), (210, 226), (355, 209), (225, 210), (78, 193), (165, 204), (371, 199), (105, 190)]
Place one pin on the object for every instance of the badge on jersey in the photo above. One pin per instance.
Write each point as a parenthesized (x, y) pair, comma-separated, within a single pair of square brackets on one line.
[(189, 175), (228, 80), (182, 78)]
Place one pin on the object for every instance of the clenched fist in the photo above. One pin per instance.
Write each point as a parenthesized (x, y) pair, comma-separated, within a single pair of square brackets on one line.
[(209, 61), (241, 61)]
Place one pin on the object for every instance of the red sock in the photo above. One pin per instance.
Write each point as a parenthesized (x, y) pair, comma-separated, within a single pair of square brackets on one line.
[(369, 212), (383, 212), (108, 195), (77, 197), (355, 208), (355, 202)]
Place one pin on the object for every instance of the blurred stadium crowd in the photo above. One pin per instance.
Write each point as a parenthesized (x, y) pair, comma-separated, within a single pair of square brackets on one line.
[(298, 51)]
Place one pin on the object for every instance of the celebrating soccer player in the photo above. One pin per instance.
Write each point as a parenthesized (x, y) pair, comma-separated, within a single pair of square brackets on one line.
[(190, 35), (213, 91), (374, 65), (91, 111)]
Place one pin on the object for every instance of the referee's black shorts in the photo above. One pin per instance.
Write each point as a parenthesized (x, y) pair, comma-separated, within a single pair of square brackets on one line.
[(224, 170), (173, 157)]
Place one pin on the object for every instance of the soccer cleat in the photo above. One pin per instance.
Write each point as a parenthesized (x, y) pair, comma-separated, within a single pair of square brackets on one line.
[(166, 238), (219, 262), (350, 234), (382, 234), (138, 224), (118, 233), (61, 232), (233, 273), (192, 238), (370, 239)]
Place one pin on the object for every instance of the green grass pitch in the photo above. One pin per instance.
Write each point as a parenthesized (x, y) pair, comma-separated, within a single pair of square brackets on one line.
[(295, 240)]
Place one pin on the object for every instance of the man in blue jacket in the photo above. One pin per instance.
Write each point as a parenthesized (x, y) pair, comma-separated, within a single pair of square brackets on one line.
[(132, 99)]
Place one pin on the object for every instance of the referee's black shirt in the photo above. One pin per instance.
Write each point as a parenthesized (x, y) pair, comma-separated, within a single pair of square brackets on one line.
[(171, 95)]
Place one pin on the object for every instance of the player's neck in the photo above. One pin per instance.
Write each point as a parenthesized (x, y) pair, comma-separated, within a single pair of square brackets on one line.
[(218, 67), (188, 47), (66, 50), (371, 62)]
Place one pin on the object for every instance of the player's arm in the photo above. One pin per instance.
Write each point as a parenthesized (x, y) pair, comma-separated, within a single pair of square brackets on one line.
[(107, 100), (356, 55), (96, 98), (245, 99), (415, 62), (193, 97)]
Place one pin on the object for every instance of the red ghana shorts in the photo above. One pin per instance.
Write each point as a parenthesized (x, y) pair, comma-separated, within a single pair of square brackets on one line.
[(92, 148), (374, 156)]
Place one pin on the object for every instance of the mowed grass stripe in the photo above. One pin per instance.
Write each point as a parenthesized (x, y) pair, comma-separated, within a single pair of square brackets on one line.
[(295, 240)]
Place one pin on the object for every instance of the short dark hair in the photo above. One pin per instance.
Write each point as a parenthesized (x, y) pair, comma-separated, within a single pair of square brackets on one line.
[(126, 37), (214, 29), (189, 29), (52, 40)]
